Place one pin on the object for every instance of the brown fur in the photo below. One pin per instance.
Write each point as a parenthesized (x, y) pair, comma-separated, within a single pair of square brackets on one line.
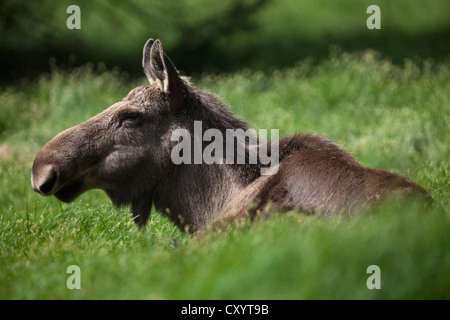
[(125, 150)]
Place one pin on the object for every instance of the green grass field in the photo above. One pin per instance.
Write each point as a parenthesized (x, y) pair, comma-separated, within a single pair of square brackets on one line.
[(389, 116)]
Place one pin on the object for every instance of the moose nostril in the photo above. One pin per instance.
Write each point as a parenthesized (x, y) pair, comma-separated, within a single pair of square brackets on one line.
[(48, 181)]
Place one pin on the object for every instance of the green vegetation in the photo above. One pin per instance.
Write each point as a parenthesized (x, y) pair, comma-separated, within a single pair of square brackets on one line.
[(225, 36), (393, 117)]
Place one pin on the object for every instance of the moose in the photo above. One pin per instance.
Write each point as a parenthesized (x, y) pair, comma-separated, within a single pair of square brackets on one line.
[(126, 151)]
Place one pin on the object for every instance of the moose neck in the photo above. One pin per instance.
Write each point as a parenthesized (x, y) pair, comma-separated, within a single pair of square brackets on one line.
[(194, 193), (197, 193)]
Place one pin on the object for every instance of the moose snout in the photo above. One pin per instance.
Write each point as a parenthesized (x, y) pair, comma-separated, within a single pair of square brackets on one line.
[(44, 179)]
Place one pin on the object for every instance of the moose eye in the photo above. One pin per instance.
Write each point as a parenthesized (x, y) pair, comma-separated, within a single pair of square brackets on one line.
[(130, 118)]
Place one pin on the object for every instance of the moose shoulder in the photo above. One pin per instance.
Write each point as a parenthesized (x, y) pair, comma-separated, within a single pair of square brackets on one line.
[(126, 151)]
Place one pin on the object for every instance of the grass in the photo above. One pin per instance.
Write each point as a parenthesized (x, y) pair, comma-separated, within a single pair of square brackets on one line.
[(389, 116)]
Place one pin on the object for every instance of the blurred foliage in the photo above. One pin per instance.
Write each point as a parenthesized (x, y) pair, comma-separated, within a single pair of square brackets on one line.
[(205, 35), (115, 31)]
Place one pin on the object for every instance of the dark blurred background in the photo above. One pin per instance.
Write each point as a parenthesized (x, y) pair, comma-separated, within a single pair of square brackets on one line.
[(214, 36)]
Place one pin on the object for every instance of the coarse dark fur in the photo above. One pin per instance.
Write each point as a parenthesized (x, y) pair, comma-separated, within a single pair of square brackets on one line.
[(126, 151)]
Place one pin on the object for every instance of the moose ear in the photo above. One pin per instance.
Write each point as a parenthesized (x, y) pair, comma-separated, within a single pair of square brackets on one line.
[(146, 61), (163, 68), (160, 69)]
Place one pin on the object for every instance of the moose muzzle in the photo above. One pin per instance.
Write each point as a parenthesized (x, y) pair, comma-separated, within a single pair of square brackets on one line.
[(43, 180)]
